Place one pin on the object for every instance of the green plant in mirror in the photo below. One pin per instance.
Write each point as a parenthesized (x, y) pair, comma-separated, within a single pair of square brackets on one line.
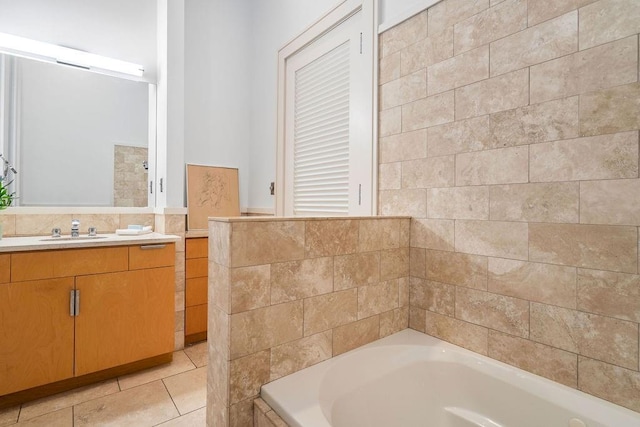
[(6, 197)]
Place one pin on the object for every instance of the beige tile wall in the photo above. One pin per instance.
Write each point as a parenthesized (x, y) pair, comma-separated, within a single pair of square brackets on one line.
[(509, 131), (285, 294)]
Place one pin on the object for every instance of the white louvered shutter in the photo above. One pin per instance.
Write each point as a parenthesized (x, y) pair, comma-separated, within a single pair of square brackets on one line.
[(321, 135), (326, 119)]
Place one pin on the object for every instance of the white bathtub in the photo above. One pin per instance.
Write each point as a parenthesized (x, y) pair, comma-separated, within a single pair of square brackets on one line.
[(411, 379)]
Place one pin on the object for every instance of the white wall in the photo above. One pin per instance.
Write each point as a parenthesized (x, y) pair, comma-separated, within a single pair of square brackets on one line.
[(274, 23), (218, 96), (121, 29), (393, 12), (70, 122)]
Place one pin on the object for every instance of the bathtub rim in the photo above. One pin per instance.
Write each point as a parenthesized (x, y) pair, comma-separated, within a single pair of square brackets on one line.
[(297, 400)]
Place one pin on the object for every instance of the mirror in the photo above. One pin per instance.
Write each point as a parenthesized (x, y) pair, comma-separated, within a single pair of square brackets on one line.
[(77, 138)]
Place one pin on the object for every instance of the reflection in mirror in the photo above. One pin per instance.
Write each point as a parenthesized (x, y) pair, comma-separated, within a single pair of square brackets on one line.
[(77, 138)]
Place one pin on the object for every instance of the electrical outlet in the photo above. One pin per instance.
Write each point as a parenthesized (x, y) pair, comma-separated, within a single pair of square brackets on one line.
[(272, 188)]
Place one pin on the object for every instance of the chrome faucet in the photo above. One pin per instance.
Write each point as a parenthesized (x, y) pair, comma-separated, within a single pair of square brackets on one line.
[(75, 228)]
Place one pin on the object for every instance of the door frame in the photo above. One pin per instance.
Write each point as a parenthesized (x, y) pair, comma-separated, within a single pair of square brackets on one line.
[(325, 24)]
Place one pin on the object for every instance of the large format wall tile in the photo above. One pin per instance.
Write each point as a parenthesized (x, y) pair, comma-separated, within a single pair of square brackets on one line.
[(389, 68), (589, 158), (247, 374), (457, 268), (499, 93), (330, 237), (406, 202), (432, 234), (404, 146), (458, 332), (590, 246), (376, 299), (492, 24), (500, 166), (458, 203), (552, 202), (356, 334), (506, 314), (267, 327), (460, 136), (610, 110), (428, 173), (492, 238), (446, 14), (610, 202), (250, 287), (557, 365), (256, 243), (609, 294), (549, 40), (608, 20), (301, 279), (619, 385), (602, 338), (431, 111), (390, 122), (548, 121), (542, 10), (435, 48), (355, 270), (550, 284), (394, 263), (294, 356), (329, 311), (592, 69), (464, 69), (432, 296), (403, 90), (403, 35), (379, 234)]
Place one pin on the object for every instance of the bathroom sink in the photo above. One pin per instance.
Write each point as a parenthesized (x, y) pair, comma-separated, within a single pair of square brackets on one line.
[(68, 238)]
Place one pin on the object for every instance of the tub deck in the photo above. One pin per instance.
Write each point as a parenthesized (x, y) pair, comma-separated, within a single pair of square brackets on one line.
[(412, 379)]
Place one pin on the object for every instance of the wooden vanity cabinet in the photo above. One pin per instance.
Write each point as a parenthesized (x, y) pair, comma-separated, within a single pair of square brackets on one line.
[(36, 333), (196, 272), (122, 312)]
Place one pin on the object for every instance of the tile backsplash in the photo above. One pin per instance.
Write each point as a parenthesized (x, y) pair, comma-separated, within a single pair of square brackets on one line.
[(509, 132)]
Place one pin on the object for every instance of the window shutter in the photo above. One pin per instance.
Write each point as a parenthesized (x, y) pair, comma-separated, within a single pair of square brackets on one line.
[(321, 135)]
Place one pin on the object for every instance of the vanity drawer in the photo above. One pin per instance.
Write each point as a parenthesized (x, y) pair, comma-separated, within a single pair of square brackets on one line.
[(197, 248), (151, 256), (66, 263), (5, 268), (196, 291), (195, 319), (198, 267)]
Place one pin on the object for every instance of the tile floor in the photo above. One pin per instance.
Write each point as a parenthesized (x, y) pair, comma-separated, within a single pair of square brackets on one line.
[(171, 395)]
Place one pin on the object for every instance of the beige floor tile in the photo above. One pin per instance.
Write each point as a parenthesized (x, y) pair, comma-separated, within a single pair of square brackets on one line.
[(67, 399), (188, 390), (9, 416), (146, 405), (192, 419), (198, 354), (181, 363), (61, 418)]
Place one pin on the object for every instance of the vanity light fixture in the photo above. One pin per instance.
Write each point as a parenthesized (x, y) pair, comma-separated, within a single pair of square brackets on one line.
[(41, 51)]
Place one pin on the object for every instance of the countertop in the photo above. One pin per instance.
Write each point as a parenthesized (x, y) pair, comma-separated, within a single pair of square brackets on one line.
[(39, 243)]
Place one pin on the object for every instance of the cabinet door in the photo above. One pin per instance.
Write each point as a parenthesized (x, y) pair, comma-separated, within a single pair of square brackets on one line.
[(36, 334), (124, 317)]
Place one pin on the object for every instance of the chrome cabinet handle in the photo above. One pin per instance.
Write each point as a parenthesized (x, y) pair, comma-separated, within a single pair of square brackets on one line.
[(159, 246)]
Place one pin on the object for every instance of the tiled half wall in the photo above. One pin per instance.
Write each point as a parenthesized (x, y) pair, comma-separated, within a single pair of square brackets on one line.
[(509, 133), (285, 294)]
